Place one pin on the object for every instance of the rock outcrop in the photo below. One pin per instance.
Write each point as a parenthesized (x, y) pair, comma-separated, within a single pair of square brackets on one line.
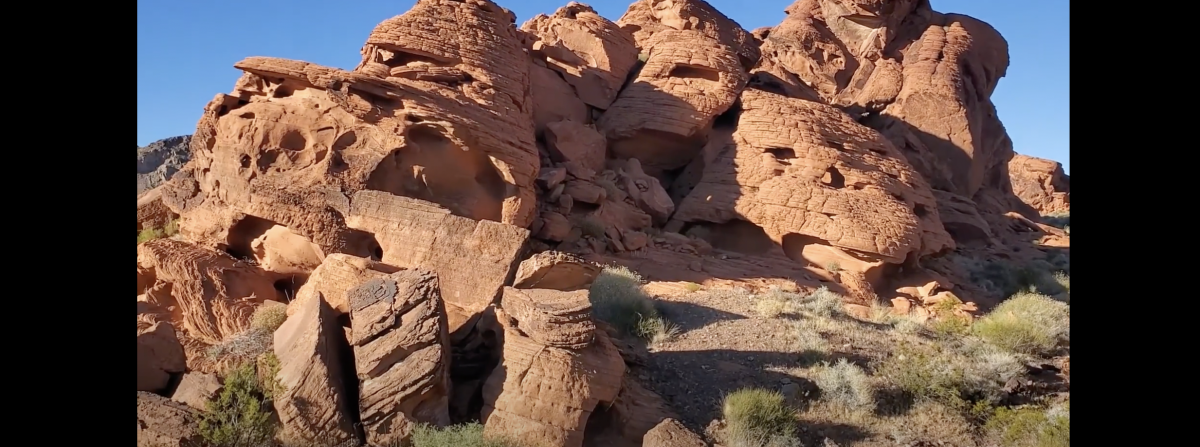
[(646, 19), (402, 354), (472, 258), (164, 423), (591, 53), (338, 274), (823, 187), (159, 354), (195, 389), (556, 271), (160, 160), (215, 294), (556, 368), (314, 404), (1041, 184)]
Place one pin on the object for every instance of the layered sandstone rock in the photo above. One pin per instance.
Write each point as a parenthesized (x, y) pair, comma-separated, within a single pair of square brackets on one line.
[(571, 142), (819, 185), (313, 404), (1041, 184), (215, 294), (554, 370), (590, 52), (402, 354), (424, 115), (556, 271), (472, 258), (151, 212), (646, 19), (334, 277), (662, 118), (164, 423), (671, 433), (159, 354)]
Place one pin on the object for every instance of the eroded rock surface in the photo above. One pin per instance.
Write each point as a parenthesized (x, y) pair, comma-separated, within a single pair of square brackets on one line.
[(542, 392), (159, 354), (313, 405), (215, 294), (472, 258), (402, 354), (590, 52), (556, 271), (1041, 184), (334, 277), (160, 160), (646, 19)]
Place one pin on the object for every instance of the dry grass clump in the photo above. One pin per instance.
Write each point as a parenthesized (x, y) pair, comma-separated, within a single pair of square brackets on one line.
[(242, 347), (1028, 323), (464, 435), (775, 302), (268, 317), (618, 299), (822, 302), (846, 385), (755, 417)]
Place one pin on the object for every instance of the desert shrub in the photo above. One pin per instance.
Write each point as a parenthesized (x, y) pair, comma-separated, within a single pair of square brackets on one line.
[(269, 365), (1030, 426), (617, 298), (268, 318), (149, 234), (775, 302), (464, 435), (847, 385), (238, 415), (959, 379), (1027, 323), (691, 286), (592, 226), (171, 228), (833, 267), (950, 326), (810, 344), (1063, 280), (823, 302), (755, 417)]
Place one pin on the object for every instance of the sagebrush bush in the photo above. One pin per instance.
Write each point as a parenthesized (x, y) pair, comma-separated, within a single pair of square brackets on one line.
[(617, 298), (847, 385), (464, 435), (757, 417), (1027, 323), (1029, 427), (238, 416), (268, 317), (950, 326), (823, 302), (775, 302)]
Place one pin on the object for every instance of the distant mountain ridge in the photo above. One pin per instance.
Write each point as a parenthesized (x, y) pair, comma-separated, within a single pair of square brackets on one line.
[(159, 160)]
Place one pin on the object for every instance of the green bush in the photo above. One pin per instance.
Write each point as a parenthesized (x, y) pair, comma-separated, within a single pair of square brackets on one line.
[(617, 298), (238, 416), (974, 373), (757, 417), (465, 435), (1027, 323), (170, 229), (1030, 427), (847, 385)]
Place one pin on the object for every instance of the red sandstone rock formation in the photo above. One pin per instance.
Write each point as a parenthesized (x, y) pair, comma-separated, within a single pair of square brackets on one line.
[(1041, 184)]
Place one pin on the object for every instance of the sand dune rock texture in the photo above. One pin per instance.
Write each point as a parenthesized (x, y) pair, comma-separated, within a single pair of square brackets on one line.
[(432, 218)]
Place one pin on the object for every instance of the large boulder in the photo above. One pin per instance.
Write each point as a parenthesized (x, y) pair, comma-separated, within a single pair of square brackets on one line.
[(591, 53), (671, 433), (338, 274), (159, 353), (313, 404), (645, 19), (402, 354), (472, 258), (554, 372), (557, 271)]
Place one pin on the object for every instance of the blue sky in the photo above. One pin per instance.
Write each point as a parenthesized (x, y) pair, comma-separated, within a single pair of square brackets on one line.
[(186, 52)]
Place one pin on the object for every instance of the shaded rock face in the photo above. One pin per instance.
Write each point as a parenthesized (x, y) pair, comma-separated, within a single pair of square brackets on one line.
[(160, 160), (402, 354), (556, 368), (821, 186), (314, 404), (159, 353), (1041, 184)]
